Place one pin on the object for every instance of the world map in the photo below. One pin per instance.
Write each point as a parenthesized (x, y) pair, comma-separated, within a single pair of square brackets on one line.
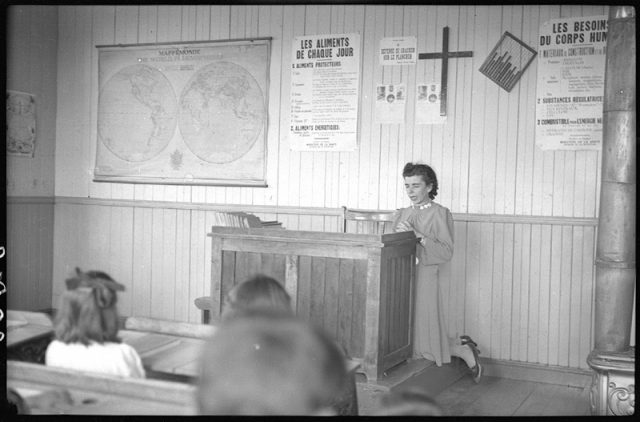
[(137, 113), (221, 113)]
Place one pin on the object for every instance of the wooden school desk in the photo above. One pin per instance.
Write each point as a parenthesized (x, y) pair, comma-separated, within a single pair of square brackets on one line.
[(50, 390), (28, 335)]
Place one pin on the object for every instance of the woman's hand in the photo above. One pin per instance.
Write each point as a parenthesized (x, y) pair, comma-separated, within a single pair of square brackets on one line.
[(404, 226)]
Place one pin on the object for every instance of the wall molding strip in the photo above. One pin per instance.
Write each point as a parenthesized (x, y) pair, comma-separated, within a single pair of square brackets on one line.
[(314, 211)]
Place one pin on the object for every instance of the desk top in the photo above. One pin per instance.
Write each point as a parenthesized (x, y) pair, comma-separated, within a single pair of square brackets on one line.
[(24, 326)]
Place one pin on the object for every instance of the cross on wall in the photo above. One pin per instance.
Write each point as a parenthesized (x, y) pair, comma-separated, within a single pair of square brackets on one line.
[(445, 55)]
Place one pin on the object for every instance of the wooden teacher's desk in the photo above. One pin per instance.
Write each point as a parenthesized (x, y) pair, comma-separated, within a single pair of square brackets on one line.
[(358, 287)]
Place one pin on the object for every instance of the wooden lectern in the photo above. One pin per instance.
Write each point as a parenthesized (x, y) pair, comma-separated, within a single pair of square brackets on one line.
[(358, 287)]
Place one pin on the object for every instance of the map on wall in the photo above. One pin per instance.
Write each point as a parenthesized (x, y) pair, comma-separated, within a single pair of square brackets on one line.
[(192, 113)]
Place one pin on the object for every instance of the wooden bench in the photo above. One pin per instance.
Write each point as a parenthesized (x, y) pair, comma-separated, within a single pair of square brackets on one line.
[(50, 390)]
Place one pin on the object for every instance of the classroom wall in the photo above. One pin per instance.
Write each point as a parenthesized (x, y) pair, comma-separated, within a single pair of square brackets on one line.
[(521, 281), (32, 36)]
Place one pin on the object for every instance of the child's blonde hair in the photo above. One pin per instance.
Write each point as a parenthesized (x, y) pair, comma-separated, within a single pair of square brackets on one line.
[(88, 309)]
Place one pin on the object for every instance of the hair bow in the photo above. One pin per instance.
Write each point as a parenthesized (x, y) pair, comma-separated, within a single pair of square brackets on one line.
[(101, 283)]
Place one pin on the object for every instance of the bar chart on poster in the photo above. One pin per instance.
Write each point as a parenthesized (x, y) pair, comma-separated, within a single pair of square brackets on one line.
[(507, 61)]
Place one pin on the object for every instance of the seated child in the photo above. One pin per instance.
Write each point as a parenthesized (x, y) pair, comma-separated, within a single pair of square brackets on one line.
[(86, 328), (265, 362), (259, 292)]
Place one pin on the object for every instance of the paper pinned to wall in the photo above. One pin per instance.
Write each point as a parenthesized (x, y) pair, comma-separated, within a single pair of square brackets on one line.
[(21, 123), (391, 103), (428, 104)]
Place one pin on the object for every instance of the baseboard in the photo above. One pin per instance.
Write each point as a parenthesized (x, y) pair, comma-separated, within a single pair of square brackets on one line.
[(558, 375)]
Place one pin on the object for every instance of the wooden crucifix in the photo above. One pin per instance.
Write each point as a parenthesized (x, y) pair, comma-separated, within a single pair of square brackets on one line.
[(444, 55)]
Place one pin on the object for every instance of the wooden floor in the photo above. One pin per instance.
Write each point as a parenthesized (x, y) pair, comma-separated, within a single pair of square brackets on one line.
[(459, 395)]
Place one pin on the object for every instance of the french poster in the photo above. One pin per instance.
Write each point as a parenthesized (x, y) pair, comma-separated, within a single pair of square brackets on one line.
[(325, 81), (391, 103), (570, 85), (398, 51), (428, 104)]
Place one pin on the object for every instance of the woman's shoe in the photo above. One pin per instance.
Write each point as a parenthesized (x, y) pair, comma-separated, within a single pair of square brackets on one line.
[(476, 370)]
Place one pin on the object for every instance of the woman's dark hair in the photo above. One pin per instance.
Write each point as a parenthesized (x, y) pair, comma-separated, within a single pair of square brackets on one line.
[(427, 173), (88, 309)]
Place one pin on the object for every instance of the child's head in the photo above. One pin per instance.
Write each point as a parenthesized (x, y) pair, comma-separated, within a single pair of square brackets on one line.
[(88, 309), (264, 362), (259, 291), (408, 402), (416, 171)]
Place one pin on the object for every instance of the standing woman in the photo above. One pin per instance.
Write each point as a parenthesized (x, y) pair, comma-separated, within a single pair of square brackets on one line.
[(433, 225)]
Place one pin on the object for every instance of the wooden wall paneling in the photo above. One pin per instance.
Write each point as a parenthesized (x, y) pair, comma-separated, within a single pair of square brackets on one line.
[(542, 197), (491, 110), (460, 131), (526, 87), (445, 177), (165, 279), (369, 130), (535, 295), (272, 27), (506, 181), (85, 82), (480, 49), (410, 76), (544, 298), (303, 300), (293, 181), (61, 247), (345, 302), (474, 282), (388, 143), (577, 262), (429, 73), (46, 256), (283, 79), (507, 291), (485, 293), (156, 268), (586, 295), (16, 259), (313, 178), (349, 161), (331, 296), (566, 305), (555, 282), (437, 133), (518, 287), (197, 259), (183, 298), (120, 263), (456, 270)]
